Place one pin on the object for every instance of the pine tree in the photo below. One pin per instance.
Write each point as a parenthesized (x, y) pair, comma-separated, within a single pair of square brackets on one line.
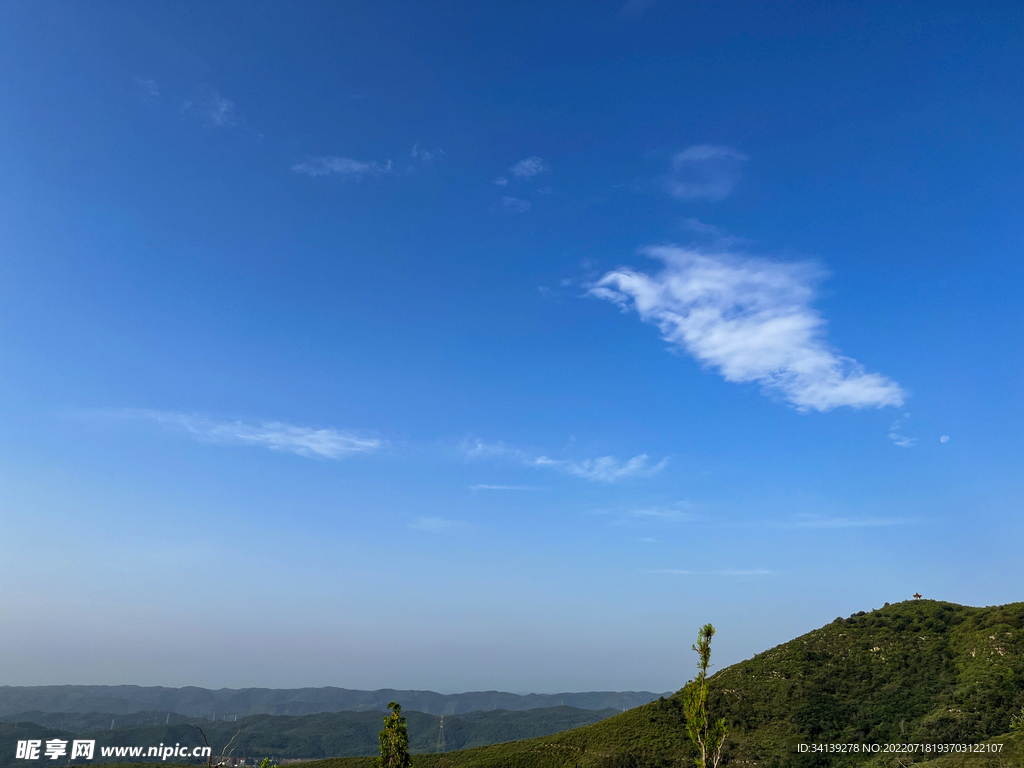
[(707, 736), (394, 741)]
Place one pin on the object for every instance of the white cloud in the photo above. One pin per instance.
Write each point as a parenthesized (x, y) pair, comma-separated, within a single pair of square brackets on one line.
[(322, 443), (700, 227), (700, 152), (709, 232), (896, 430), (481, 487), (736, 574), (751, 320), (634, 9), (705, 171), (515, 205), (817, 521), (944, 439), (435, 524), (146, 91), (902, 440), (424, 155), (662, 513), (478, 449), (606, 469), (343, 166), (210, 107), (501, 181), (528, 168)]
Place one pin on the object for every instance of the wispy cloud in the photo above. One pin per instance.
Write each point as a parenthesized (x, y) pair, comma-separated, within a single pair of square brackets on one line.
[(700, 227), (342, 166), (312, 442), (735, 574), (515, 205), (482, 487), (709, 232), (426, 156), (501, 181), (751, 320), (478, 449), (605, 469), (819, 521), (896, 430), (528, 168), (146, 91), (435, 524), (208, 106), (665, 514), (634, 9), (704, 171)]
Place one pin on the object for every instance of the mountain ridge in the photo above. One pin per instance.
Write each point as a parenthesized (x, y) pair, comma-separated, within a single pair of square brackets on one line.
[(193, 701)]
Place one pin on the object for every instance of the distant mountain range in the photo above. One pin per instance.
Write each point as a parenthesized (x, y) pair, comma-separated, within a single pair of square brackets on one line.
[(283, 737), (228, 703)]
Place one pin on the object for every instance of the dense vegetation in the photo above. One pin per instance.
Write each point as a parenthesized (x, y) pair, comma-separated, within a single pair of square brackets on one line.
[(312, 736), (916, 672)]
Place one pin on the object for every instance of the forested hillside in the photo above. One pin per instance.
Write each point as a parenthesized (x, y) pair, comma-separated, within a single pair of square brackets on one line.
[(915, 672)]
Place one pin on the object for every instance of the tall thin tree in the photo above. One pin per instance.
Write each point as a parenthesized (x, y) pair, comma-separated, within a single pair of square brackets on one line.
[(707, 736), (394, 741)]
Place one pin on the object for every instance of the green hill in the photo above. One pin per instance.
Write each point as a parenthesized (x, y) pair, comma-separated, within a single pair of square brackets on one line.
[(916, 672), (919, 672)]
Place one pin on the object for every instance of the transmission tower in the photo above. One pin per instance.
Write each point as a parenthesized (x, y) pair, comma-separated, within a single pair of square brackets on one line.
[(440, 736)]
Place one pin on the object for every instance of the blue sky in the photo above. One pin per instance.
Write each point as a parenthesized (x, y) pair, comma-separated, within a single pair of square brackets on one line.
[(464, 347)]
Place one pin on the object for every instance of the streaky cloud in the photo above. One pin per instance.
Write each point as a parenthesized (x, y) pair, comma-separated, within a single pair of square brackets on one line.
[(341, 166), (662, 514), (311, 442), (816, 521), (634, 9), (435, 524), (483, 487), (605, 469), (728, 573), (896, 430)]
